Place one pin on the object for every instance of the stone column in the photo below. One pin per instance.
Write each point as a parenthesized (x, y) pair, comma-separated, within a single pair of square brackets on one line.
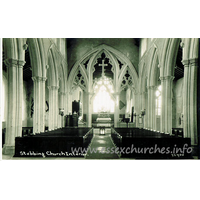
[(148, 108), (42, 104), (39, 104), (152, 109), (137, 110), (140, 109), (153, 104), (116, 112), (53, 107), (166, 110), (89, 114), (69, 103), (14, 117), (61, 107), (193, 101), (190, 99), (163, 99), (19, 98), (133, 104), (145, 102), (168, 104), (143, 107), (56, 111)]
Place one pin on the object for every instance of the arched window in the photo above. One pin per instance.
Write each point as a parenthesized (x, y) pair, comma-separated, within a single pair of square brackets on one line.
[(102, 100), (158, 101)]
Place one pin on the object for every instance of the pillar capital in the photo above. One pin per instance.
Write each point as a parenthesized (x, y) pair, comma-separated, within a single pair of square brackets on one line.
[(62, 93), (193, 62), (10, 62), (182, 44), (190, 62), (164, 78), (25, 46), (153, 87), (53, 87), (143, 93), (89, 93), (185, 63), (38, 78)]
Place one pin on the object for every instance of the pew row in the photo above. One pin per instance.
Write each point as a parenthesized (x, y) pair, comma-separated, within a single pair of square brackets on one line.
[(57, 143), (145, 144)]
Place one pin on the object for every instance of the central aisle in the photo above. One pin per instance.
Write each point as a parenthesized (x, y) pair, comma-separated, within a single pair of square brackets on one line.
[(100, 148)]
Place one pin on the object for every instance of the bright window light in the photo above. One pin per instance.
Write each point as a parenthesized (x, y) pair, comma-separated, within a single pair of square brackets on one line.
[(102, 100)]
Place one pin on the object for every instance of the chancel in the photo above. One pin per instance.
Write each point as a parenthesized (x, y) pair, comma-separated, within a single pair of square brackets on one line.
[(100, 98)]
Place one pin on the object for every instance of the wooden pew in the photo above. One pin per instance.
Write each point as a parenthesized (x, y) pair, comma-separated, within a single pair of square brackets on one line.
[(54, 143), (143, 140), (26, 131), (3, 136), (177, 132)]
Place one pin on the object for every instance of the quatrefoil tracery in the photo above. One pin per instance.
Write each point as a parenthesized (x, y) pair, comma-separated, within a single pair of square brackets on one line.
[(127, 80), (79, 81)]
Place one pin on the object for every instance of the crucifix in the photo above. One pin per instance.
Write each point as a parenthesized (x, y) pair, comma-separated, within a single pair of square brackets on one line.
[(103, 65)]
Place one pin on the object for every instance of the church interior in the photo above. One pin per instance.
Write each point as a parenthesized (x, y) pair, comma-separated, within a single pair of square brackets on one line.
[(105, 98)]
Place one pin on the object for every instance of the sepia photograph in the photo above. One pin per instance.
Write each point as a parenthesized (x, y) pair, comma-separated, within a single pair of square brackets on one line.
[(100, 98)]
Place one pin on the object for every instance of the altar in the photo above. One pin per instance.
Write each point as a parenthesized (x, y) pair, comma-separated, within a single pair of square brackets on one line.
[(103, 122)]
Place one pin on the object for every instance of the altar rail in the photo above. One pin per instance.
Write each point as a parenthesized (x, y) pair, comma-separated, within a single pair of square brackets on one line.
[(95, 116), (103, 124)]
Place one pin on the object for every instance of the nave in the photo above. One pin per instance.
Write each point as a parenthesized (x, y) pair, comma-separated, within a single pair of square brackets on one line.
[(146, 84), (90, 143)]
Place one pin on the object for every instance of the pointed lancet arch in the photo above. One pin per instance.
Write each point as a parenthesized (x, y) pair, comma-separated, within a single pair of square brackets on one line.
[(194, 52), (186, 42), (63, 78), (169, 55), (112, 60), (52, 71), (73, 78), (153, 67), (143, 78), (14, 48), (109, 55), (112, 53), (56, 64), (122, 74), (37, 56)]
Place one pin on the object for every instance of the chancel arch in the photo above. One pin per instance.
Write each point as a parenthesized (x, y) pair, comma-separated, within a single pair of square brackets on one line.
[(99, 62)]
